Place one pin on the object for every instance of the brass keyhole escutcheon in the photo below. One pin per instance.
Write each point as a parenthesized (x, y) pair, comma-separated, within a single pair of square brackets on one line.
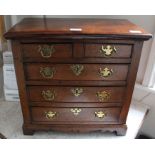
[(106, 72), (77, 91), (48, 95), (108, 50), (99, 114), (50, 114), (46, 51), (75, 111), (103, 96), (77, 69), (47, 72)]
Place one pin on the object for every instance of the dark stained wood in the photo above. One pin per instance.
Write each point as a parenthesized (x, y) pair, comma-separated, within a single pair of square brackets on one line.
[(34, 27), (131, 80), (86, 116), (120, 129), (64, 72), (65, 94), (76, 83), (80, 47), (19, 69), (26, 130), (76, 104), (78, 50), (71, 40), (60, 50), (93, 50), (80, 60)]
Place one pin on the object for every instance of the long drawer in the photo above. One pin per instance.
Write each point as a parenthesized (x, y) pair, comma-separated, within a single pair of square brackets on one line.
[(75, 115), (86, 72), (75, 94)]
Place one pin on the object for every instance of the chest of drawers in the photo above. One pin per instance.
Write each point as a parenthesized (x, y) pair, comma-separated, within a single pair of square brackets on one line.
[(76, 75)]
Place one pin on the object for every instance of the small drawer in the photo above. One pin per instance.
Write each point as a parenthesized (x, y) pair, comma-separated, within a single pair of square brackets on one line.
[(75, 115), (85, 72), (108, 50), (47, 51), (83, 94)]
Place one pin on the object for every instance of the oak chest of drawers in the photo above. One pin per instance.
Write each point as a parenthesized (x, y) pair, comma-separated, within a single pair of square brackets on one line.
[(76, 75)]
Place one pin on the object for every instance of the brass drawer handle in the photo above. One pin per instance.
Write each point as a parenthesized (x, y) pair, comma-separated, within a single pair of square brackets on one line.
[(77, 69), (100, 114), (75, 111), (103, 96), (47, 72), (46, 51), (48, 95), (50, 114), (77, 91), (108, 50), (106, 72)]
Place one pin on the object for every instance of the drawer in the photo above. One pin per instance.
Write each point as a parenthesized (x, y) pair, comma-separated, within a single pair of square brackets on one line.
[(76, 72), (75, 115), (108, 50), (75, 94), (47, 51)]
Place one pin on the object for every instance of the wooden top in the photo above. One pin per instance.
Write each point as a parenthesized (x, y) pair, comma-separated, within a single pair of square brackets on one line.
[(38, 27)]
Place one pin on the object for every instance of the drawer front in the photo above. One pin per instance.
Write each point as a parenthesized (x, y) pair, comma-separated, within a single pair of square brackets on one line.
[(47, 51), (75, 94), (75, 115), (76, 72), (108, 50)]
